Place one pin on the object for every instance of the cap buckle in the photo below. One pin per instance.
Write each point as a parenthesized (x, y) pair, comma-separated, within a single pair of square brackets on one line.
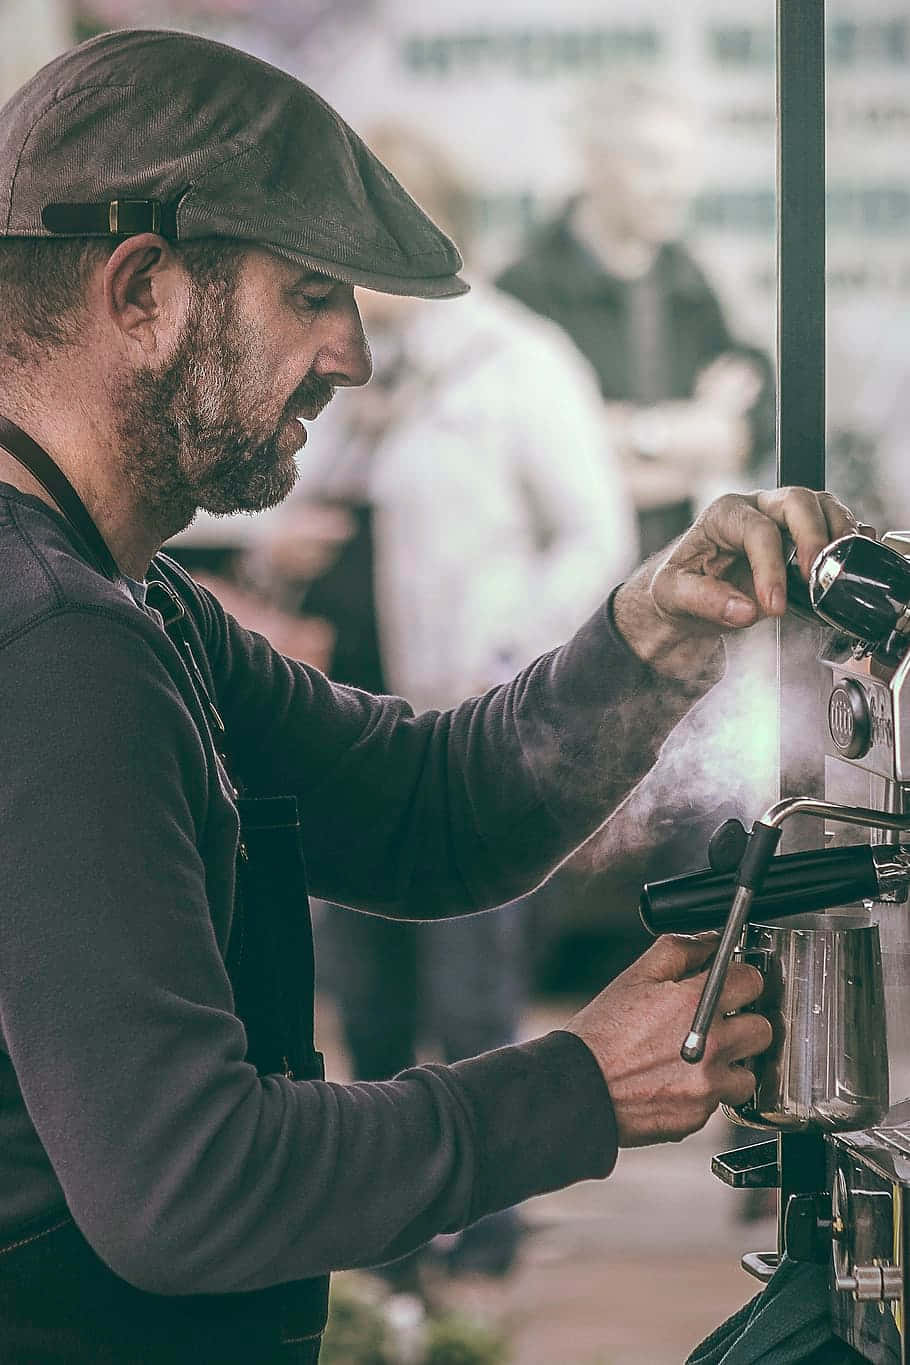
[(114, 210)]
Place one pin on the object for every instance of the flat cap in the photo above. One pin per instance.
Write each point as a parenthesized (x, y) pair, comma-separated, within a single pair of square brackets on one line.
[(143, 129)]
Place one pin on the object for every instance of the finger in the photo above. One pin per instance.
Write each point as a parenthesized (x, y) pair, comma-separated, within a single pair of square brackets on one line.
[(680, 593), (813, 520), (675, 956), (866, 530), (743, 986), (736, 1085), (739, 1037), (737, 524), (763, 547)]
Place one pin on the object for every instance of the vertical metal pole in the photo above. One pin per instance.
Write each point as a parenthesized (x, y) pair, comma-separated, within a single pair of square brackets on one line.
[(800, 368)]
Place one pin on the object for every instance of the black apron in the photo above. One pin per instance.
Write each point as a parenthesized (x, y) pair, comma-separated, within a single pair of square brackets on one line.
[(58, 1301)]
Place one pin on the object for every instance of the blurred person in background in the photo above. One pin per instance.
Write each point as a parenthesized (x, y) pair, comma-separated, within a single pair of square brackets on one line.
[(484, 509), (691, 409)]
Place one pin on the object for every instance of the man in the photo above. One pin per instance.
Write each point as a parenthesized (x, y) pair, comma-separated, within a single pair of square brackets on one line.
[(688, 404), (176, 1179)]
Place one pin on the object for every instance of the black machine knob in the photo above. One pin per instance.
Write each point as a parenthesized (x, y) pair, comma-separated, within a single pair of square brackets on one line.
[(849, 719), (727, 846), (807, 1228)]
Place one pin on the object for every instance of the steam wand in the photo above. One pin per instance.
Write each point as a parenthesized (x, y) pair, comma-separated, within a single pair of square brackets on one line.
[(763, 840)]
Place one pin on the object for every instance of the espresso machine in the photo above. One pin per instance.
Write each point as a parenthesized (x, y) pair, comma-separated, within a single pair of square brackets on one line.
[(830, 931)]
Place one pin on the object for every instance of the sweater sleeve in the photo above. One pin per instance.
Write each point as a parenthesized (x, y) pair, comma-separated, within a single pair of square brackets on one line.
[(186, 1171), (446, 812)]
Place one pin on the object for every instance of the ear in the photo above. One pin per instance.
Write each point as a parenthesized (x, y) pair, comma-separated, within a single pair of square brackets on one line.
[(146, 293)]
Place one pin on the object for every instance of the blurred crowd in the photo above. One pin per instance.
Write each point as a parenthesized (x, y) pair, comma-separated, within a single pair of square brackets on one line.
[(514, 455)]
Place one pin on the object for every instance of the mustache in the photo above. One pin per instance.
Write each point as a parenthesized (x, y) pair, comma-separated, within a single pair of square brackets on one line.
[(310, 397)]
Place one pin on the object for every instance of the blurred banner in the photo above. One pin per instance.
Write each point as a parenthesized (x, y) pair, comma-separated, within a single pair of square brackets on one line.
[(31, 32)]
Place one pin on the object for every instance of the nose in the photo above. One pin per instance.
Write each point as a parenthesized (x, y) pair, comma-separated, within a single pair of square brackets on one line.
[(344, 359)]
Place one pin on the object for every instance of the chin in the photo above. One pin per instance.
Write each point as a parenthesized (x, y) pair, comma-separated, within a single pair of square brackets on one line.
[(257, 495)]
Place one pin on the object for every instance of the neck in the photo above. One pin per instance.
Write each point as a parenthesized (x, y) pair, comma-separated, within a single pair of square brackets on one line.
[(129, 530), (622, 254)]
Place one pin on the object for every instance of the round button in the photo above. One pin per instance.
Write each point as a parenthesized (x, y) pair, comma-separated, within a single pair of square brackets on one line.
[(849, 721)]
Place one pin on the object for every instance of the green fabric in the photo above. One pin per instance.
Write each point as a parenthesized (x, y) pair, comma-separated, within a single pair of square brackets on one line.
[(789, 1323)]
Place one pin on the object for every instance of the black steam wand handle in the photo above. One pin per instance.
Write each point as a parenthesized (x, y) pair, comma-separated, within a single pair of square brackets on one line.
[(763, 841), (795, 883)]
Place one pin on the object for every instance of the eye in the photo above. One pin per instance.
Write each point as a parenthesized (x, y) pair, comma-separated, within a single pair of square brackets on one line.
[(313, 301)]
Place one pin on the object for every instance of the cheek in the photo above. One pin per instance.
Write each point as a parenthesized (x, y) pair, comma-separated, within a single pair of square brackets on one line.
[(268, 378), (284, 364)]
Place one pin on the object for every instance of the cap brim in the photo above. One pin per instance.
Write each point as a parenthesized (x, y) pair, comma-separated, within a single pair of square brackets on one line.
[(420, 287)]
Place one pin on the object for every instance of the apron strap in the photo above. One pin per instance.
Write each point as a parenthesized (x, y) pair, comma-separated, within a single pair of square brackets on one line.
[(55, 483)]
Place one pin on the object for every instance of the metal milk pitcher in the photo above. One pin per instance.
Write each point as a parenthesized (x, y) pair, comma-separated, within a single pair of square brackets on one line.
[(827, 1068)]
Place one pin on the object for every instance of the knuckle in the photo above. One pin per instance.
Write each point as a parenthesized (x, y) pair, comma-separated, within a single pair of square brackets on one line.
[(725, 512), (832, 501), (728, 501), (745, 975)]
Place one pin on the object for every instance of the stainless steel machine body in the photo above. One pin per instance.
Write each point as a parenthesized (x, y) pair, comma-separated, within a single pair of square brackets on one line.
[(836, 981), (842, 1196), (868, 1173), (867, 1182)]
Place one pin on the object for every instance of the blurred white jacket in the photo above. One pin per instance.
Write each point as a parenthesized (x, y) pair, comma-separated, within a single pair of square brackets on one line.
[(500, 519)]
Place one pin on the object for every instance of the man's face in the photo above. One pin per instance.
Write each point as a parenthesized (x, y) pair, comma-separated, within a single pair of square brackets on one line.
[(641, 184), (215, 426)]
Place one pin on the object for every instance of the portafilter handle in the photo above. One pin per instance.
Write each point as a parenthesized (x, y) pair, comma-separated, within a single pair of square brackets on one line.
[(763, 840)]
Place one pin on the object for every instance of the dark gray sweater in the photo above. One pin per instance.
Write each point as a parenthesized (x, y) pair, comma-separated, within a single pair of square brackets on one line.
[(124, 1091)]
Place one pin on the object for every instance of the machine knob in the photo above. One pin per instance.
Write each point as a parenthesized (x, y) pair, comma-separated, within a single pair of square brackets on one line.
[(873, 1283), (849, 721), (807, 1228)]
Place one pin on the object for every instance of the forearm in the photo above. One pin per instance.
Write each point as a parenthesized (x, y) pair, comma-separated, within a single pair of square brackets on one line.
[(442, 813), (601, 717)]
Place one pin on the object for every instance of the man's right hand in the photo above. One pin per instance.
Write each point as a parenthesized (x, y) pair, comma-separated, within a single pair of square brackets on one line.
[(636, 1026)]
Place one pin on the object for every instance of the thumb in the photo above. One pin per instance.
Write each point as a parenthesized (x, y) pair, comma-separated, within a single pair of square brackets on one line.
[(675, 956)]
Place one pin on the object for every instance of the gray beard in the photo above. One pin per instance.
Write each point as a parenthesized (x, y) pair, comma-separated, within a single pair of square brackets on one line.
[(195, 434)]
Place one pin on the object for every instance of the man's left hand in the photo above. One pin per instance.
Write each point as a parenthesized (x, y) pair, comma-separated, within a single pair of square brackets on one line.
[(725, 573)]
